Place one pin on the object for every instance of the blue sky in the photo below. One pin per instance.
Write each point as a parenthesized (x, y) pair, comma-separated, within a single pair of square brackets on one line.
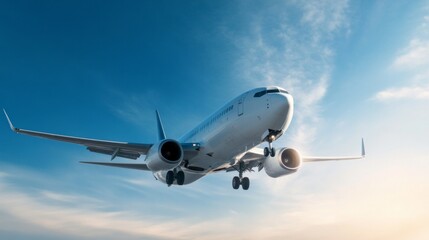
[(100, 69)]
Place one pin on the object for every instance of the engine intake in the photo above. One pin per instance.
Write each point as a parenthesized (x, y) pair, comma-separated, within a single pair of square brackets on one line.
[(287, 161), (165, 155), (171, 151), (290, 159)]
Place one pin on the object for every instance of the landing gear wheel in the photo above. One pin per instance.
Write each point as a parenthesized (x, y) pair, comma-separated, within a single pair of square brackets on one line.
[(245, 183), (180, 177), (169, 178), (235, 182), (266, 152), (273, 152)]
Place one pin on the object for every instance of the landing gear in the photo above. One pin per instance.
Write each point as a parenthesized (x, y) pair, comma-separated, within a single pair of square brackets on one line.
[(240, 180), (245, 183), (169, 178), (236, 182), (270, 138), (269, 151), (266, 152), (273, 152), (179, 176)]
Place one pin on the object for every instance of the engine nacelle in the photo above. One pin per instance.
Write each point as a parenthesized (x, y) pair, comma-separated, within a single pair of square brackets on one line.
[(286, 161), (164, 155)]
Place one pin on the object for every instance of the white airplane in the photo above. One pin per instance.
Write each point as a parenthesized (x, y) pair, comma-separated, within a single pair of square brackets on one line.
[(226, 141)]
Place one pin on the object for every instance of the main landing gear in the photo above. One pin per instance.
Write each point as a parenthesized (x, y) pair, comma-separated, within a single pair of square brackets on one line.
[(240, 180), (172, 175), (270, 151)]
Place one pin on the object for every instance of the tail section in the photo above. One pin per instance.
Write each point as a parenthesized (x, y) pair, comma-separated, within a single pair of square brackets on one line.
[(161, 133)]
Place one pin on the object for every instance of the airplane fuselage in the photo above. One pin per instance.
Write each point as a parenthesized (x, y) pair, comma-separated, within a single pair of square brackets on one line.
[(237, 127)]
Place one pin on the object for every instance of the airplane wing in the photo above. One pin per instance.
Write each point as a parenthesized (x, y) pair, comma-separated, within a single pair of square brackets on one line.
[(323, 159), (112, 148), (141, 166), (255, 158)]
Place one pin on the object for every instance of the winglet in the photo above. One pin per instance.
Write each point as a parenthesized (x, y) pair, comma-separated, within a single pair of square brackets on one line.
[(161, 133), (10, 122), (363, 148)]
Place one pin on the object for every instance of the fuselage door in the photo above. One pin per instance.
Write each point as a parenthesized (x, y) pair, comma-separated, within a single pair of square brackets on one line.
[(241, 105)]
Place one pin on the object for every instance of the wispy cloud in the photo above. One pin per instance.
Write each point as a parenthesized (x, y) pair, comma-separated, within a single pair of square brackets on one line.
[(413, 60), (325, 16), (294, 52), (83, 216), (414, 56), (403, 93), (137, 109), (386, 207), (67, 198)]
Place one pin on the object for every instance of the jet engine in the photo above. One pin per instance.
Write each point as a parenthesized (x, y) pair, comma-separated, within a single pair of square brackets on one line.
[(164, 155), (286, 161)]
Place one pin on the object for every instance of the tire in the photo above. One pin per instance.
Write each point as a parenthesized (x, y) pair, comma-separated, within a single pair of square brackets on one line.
[(169, 178), (266, 152), (180, 177), (245, 183), (235, 182), (273, 152)]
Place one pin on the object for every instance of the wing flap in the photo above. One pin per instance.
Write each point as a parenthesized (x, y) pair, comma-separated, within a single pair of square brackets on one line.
[(137, 166), (116, 153)]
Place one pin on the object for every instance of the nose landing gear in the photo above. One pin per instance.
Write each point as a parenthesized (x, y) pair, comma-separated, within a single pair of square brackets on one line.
[(270, 151)]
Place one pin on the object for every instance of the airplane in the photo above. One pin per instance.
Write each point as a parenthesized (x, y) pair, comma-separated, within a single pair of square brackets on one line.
[(226, 141)]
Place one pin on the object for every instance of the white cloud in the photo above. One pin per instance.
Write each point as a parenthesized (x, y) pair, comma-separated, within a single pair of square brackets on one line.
[(414, 56), (414, 61), (67, 198), (324, 16), (293, 53), (403, 93), (387, 207), (82, 216)]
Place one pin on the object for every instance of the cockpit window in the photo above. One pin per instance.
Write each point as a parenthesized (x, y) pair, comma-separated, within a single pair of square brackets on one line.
[(263, 92), (260, 94), (273, 91)]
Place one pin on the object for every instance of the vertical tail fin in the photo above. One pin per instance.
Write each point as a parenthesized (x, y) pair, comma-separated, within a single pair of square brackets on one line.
[(161, 133)]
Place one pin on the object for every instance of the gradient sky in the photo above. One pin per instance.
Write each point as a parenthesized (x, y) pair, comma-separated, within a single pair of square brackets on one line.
[(99, 69)]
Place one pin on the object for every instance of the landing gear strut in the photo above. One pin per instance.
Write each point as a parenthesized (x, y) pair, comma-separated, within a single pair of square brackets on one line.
[(240, 180), (172, 175), (270, 151)]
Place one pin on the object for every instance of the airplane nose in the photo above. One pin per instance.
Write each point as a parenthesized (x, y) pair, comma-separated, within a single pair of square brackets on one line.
[(282, 104), (290, 100), (282, 101)]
